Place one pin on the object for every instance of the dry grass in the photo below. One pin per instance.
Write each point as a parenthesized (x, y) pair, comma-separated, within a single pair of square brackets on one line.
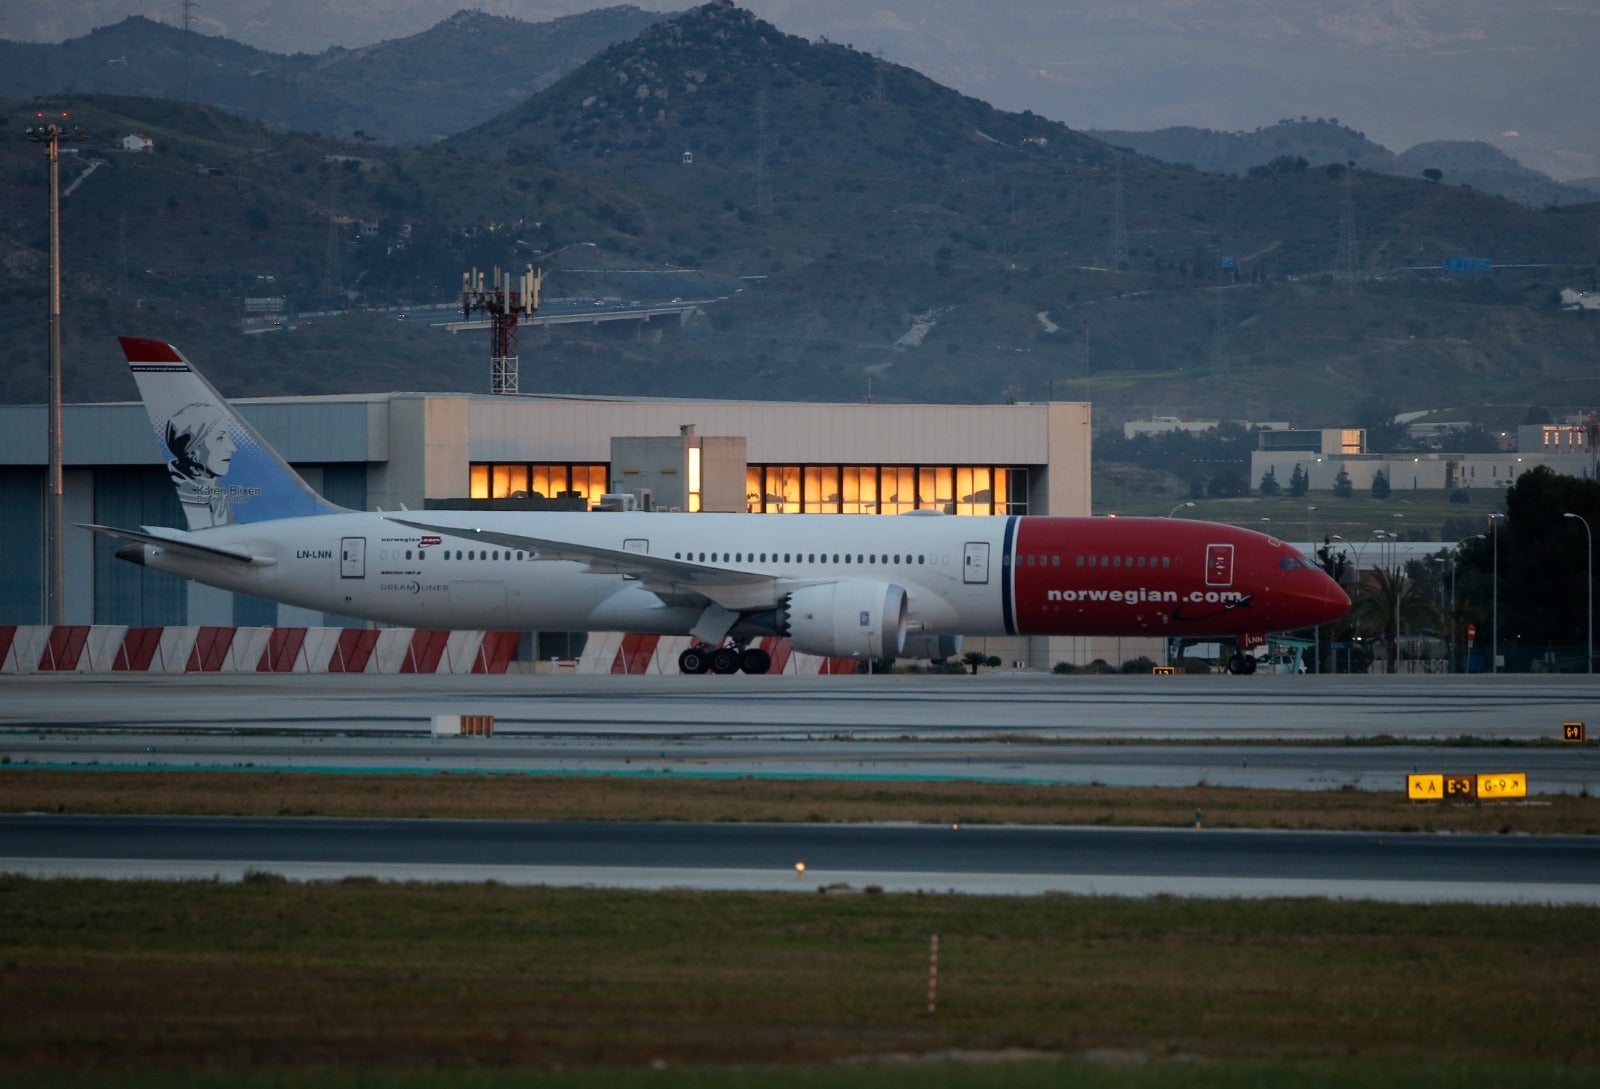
[(668, 797), (362, 975)]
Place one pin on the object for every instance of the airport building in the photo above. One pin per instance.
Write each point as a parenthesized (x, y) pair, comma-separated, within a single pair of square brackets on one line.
[(1322, 455), (403, 450)]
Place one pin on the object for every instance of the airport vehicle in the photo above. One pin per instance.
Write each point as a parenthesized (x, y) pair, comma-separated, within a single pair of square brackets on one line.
[(875, 586)]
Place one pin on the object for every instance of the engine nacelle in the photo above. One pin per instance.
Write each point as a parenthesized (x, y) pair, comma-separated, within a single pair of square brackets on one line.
[(846, 619), (935, 648)]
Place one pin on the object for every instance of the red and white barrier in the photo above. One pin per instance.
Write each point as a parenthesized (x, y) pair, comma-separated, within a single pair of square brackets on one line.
[(83, 648), (203, 648)]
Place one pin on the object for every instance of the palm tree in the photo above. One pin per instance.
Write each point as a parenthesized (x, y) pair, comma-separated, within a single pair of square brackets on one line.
[(1373, 608)]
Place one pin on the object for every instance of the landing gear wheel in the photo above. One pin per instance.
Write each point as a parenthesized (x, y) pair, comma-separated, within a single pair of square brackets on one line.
[(694, 660), (1241, 663), (755, 660), (725, 660)]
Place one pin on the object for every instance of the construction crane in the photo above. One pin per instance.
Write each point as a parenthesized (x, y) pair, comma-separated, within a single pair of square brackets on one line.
[(505, 302)]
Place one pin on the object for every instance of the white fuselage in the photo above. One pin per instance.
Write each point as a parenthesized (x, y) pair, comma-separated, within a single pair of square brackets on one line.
[(366, 565)]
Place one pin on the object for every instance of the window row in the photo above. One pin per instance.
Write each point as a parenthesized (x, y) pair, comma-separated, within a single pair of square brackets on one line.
[(524, 480), (495, 554), (885, 489), (860, 558), (1040, 560)]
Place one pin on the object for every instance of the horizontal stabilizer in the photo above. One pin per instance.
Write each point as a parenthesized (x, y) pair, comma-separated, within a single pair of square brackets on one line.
[(184, 545)]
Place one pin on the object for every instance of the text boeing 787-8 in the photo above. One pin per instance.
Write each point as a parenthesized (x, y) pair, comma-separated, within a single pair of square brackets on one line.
[(836, 585)]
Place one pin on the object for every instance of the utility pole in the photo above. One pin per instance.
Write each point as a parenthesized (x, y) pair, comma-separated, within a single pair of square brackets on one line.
[(49, 133)]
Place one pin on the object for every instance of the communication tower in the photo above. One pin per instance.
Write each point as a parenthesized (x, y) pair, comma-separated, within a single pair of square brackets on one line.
[(505, 302)]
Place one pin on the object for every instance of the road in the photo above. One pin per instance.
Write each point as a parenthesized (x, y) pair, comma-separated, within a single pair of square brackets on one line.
[(1288, 732), (894, 858)]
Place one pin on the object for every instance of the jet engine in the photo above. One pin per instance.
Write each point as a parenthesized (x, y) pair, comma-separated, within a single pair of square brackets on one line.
[(846, 619), (935, 648)]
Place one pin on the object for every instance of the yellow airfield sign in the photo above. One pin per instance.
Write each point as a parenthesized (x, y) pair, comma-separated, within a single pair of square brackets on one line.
[(1438, 787)]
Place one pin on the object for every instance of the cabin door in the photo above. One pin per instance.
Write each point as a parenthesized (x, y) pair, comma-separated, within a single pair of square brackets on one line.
[(353, 558), (1219, 565), (975, 564)]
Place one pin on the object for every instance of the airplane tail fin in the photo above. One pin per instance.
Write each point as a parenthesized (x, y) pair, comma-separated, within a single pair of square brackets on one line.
[(225, 473)]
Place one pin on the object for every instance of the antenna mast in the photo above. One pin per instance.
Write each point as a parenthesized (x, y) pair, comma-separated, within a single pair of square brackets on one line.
[(504, 301)]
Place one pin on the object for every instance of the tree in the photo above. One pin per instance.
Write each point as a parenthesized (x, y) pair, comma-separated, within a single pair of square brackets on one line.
[(976, 658), (1380, 485), (1543, 581), (1433, 174), (1299, 482), (1336, 564), (1374, 610), (1269, 481), (1342, 488)]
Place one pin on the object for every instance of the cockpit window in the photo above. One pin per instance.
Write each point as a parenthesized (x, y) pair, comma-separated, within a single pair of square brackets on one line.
[(1291, 562)]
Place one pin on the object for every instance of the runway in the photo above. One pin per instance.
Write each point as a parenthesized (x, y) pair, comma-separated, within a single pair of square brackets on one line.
[(890, 858), (1296, 732), (1312, 733)]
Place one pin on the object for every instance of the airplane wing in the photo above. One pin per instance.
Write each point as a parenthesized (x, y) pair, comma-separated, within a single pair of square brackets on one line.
[(674, 581), (182, 545)]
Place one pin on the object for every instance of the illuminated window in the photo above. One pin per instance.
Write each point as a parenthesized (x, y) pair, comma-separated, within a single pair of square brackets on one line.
[(518, 480), (886, 489)]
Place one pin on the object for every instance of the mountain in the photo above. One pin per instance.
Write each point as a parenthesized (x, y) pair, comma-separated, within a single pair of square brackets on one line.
[(875, 233), (1472, 163), (404, 90), (1514, 75)]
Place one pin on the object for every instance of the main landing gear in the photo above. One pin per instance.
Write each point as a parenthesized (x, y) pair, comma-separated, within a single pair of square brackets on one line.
[(732, 658), (1241, 663)]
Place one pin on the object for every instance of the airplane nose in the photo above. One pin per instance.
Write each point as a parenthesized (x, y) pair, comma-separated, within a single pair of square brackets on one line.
[(1332, 603)]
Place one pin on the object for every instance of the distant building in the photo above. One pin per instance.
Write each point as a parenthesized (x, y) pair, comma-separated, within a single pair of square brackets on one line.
[(1579, 300), (1563, 448), (137, 143), (1160, 425)]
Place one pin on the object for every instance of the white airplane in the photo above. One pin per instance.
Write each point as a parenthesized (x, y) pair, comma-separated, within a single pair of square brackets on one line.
[(875, 586)]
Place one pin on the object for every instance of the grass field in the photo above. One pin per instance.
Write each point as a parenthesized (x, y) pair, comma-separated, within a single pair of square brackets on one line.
[(316, 981), (522, 797), (359, 983), (1128, 492)]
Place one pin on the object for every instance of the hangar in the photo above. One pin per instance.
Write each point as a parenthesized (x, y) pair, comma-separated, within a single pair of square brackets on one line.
[(391, 451)]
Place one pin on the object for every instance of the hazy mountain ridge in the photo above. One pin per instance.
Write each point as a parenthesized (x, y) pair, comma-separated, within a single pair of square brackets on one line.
[(1515, 75), (1473, 163), (403, 90), (887, 204)]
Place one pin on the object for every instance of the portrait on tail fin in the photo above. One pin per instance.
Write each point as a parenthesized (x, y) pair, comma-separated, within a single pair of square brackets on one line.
[(200, 450), (224, 472)]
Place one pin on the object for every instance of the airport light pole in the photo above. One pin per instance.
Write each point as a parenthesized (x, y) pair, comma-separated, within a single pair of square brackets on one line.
[(1494, 596), (1180, 506), (1588, 538), (49, 133), (1316, 629), (1455, 562)]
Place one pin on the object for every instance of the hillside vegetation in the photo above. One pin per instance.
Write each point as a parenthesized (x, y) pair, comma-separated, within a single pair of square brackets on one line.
[(871, 227)]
